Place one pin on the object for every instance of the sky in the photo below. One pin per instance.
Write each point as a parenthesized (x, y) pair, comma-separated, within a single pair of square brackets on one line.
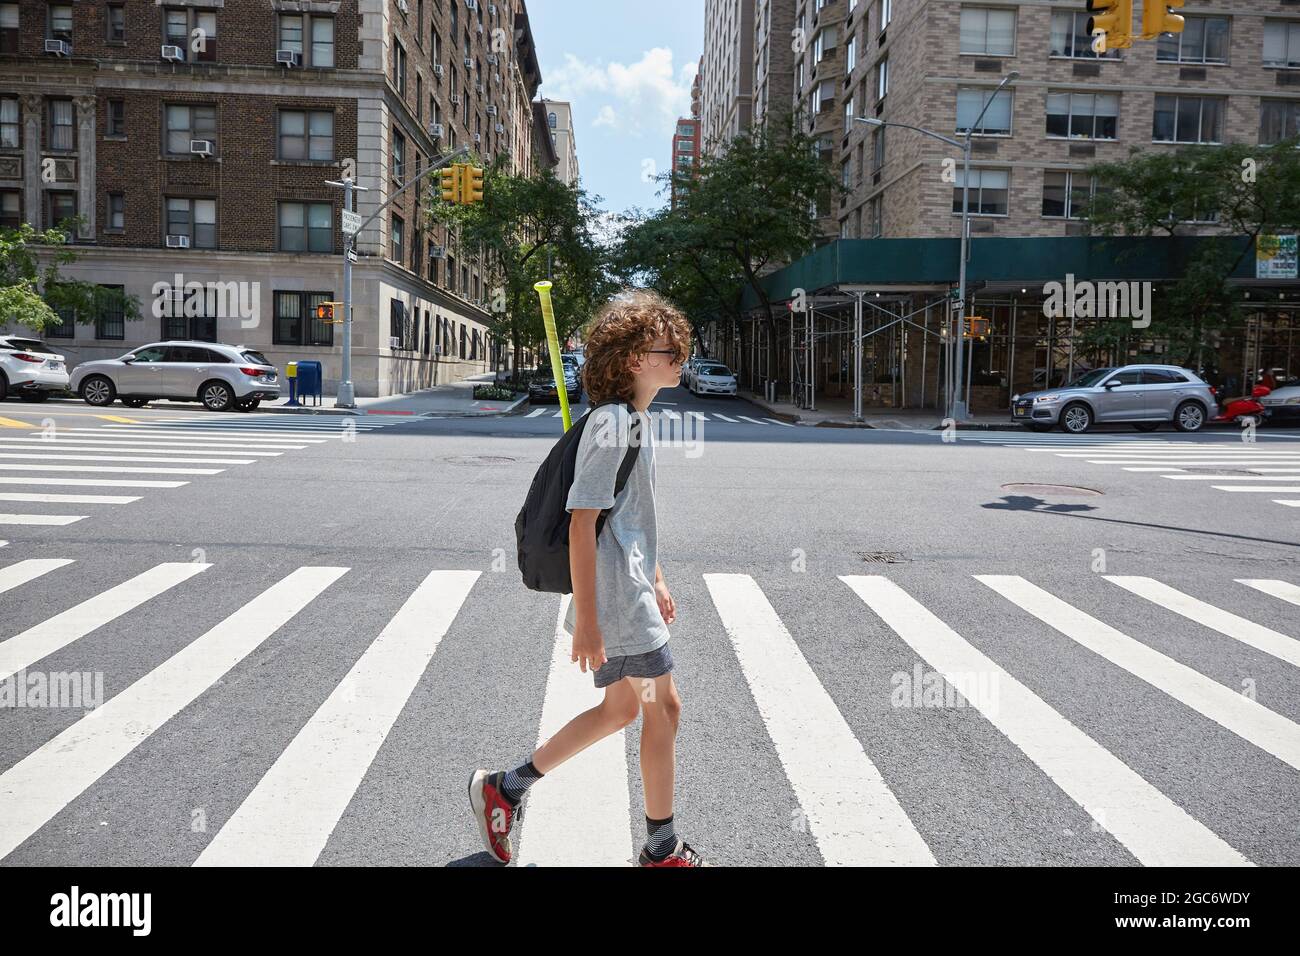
[(627, 67)]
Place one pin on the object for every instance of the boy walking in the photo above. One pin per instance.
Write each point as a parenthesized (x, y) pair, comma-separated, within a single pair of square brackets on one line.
[(621, 608)]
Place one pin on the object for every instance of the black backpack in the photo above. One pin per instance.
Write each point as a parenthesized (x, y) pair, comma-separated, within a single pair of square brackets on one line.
[(542, 527)]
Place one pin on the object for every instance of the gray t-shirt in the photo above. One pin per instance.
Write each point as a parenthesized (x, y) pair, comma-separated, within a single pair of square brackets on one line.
[(626, 609)]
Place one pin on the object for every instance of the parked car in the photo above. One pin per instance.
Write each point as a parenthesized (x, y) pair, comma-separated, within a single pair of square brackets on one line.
[(222, 377), (577, 358), (688, 369), (542, 388), (1145, 396), (30, 369), (709, 378), (1283, 404)]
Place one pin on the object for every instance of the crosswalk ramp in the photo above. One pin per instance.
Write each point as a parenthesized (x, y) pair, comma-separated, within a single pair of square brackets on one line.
[(1229, 465), (59, 476), (300, 764)]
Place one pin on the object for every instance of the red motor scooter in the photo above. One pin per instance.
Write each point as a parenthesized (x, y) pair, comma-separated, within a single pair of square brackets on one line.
[(1235, 409)]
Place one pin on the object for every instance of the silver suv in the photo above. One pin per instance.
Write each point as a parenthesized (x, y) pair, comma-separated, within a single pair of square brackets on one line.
[(222, 377), (1146, 396)]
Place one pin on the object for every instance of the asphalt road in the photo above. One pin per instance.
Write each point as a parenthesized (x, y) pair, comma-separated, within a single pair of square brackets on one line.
[(310, 631)]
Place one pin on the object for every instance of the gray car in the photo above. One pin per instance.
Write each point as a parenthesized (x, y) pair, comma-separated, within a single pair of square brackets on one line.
[(1145, 396), (222, 377)]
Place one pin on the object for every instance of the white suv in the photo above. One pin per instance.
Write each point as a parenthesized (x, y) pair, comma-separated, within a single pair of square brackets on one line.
[(30, 369), (222, 377)]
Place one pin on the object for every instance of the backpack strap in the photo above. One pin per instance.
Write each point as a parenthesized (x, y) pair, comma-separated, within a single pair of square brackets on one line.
[(628, 463)]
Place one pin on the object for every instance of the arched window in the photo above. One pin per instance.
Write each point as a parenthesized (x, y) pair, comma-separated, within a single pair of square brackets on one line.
[(551, 119)]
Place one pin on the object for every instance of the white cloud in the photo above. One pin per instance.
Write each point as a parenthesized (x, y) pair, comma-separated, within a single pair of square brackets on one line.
[(647, 96)]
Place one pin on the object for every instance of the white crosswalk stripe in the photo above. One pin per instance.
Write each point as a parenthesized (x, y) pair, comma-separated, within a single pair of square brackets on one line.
[(584, 814), (584, 817), (36, 788), (292, 811)]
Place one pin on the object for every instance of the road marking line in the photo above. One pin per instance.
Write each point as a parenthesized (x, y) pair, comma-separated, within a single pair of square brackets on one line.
[(1289, 504), (1146, 822), (1278, 589), (1216, 619), (1270, 489), (14, 423), (115, 470), (851, 812), (118, 418), (70, 499), (775, 421), (47, 520), (44, 782), (21, 572), (535, 412), (135, 458), (62, 629), (93, 482), (583, 816), (754, 420), (726, 419), (109, 444), (1231, 477), (290, 814), (1269, 731)]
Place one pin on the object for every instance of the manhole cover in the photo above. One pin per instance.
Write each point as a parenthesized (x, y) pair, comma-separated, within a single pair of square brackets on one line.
[(1059, 491), (883, 557), (480, 460)]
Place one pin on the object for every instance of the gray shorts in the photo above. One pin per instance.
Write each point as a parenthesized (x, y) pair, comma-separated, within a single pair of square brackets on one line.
[(654, 663)]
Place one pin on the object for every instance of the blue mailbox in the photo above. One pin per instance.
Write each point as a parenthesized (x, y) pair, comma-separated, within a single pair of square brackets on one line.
[(309, 381)]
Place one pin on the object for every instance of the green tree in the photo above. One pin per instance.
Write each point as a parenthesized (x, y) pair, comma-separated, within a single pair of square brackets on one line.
[(737, 217), (1248, 191), (529, 228)]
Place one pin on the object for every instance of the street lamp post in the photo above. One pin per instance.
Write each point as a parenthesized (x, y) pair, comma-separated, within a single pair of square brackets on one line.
[(346, 394), (956, 404)]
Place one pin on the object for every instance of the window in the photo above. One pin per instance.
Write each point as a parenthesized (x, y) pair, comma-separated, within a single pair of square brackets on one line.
[(988, 32), (176, 28), (116, 118), (399, 67), (1066, 194), (397, 324), (185, 123), (1188, 119), (886, 12), (825, 43), (110, 320), (320, 52), (1069, 37), (306, 134), (848, 116), (825, 96), (997, 118), (322, 43), (9, 27), (1203, 40), (399, 156), (551, 120), (67, 327), (60, 22), (882, 78), (1282, 43), (396, 250), (988, 192), (116, 24), (851, 55), (295, 320), (61, 206), (62, 130), (11, 209), (1083, 115), (195, 218), (116, 212), (878, 151), (306, 227), (875, 209), (1278, 120), (686, 129), (10, 127)]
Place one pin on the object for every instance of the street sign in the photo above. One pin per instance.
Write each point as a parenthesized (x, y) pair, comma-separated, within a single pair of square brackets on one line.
[(351, 223), (352, 255)]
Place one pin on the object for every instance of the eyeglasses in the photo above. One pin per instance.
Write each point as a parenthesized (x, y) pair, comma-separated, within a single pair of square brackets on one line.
[(672, 352)]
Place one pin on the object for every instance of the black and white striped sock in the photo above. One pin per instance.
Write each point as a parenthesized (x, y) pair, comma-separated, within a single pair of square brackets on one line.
[(662, 839), (516, 782)]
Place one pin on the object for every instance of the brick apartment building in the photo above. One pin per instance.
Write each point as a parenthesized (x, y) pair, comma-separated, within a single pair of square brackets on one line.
[(1232, 75), (196, 139), (686, 151), (727, 71)]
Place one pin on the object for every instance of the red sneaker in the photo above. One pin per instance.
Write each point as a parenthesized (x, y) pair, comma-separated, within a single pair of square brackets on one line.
[(494, 814), (682, 856)]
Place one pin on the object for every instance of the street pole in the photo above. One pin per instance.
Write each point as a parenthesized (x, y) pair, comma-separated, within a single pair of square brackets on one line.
[(857, 357), (957, 404)]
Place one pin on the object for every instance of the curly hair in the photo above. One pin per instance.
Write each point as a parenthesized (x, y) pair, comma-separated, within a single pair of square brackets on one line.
[(624, 328)]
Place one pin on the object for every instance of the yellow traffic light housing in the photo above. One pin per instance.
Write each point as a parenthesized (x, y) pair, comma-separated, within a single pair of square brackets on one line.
[(1158, 18), (1114, 20), (449, 180), (472, 183)]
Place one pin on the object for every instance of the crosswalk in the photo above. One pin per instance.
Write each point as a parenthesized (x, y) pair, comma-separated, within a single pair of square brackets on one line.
[(577, 411), (855, 809), (1234, 467), (56, 473)]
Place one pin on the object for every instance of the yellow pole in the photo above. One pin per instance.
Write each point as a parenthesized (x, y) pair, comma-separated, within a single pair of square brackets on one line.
[(553, 345)]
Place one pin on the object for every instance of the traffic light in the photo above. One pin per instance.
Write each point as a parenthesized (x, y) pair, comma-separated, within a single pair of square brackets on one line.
[(1158, 18), (449, 180), (1114, 18), (325, 312), (472, 183)]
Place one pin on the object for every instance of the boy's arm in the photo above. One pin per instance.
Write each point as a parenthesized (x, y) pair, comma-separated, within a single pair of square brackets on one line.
[(582, 562)]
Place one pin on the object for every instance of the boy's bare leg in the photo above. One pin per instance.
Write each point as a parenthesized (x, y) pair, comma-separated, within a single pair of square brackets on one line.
[(616, 711), (662, 709)]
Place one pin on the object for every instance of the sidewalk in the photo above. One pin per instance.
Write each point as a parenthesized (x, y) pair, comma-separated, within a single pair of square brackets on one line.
[(454, 400), (838, 413)]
